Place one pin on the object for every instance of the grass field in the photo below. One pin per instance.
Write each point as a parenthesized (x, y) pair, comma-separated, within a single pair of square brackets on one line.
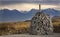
[(23, 27)]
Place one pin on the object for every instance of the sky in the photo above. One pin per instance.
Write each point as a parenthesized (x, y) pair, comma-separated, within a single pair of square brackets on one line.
[(26, 5)]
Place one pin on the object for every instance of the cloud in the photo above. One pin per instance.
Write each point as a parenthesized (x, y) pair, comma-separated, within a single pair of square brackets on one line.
[(9, 2)]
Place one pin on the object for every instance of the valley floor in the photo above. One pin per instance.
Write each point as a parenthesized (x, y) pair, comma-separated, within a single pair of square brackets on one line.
[(26, 35)]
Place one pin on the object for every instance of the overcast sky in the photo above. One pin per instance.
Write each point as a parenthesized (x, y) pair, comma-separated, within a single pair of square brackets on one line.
[(26, 5)]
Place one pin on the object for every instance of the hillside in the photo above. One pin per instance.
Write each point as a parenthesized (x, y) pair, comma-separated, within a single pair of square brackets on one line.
[(56, 20)]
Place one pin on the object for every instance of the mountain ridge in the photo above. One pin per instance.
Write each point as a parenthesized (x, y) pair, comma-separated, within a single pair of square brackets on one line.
[(15, 15)]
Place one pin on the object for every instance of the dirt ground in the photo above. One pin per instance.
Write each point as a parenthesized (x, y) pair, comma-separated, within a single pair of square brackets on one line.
[(27, 35)]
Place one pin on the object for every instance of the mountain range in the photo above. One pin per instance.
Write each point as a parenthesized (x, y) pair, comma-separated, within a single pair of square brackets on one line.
[(7, 15)]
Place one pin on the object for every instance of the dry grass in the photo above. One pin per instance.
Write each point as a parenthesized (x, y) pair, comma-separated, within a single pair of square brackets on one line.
[(18, 27)]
